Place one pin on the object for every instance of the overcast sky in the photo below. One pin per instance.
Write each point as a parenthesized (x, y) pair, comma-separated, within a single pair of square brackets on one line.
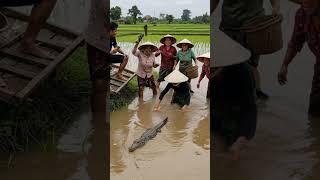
[(155, 7)]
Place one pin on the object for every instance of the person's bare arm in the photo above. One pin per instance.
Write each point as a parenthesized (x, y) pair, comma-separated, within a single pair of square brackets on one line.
[(120, 51), (195, 61), (290, 54), (175, 63), (282, 75), (275, 6), (134, 50), (114, 51), (295, 45), (215, 4)]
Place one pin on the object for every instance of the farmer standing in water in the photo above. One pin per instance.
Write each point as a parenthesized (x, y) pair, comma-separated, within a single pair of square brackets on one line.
[(306, 29), (168, 56), (234, 109)]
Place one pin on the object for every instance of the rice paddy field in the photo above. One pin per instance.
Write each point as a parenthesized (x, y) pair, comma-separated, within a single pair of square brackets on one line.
[(196, 33)]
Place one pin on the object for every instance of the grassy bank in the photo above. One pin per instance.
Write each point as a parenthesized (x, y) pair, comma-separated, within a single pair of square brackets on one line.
[(51, 111), (125, 96), (193, 32), (42, 121)]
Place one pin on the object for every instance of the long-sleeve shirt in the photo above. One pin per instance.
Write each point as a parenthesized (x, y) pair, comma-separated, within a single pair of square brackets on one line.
[(305, 31), (181, 88), (205, 72)]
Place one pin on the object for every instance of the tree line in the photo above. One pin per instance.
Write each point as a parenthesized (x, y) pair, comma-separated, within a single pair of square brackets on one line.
[(135, 16)]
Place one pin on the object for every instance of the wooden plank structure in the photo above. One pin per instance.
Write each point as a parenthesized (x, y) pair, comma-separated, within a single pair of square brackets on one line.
[(21, 74), (116, 84)]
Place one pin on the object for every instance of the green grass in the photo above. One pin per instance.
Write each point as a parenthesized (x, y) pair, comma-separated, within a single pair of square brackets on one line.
[(125, 96), (39, 123), (54, 105), (196, 33)]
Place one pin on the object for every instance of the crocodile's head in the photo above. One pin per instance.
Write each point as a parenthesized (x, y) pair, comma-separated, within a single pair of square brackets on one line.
[(135, 145)]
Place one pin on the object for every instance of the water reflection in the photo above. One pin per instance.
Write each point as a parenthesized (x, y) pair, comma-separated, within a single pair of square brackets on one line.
[(67, 161), (200, 137)]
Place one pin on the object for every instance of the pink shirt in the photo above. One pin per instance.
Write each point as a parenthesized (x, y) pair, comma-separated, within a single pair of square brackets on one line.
[(145, 65)]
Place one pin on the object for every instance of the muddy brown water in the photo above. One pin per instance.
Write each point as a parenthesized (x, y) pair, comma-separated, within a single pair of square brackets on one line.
[(180, 151), (70, 160), (287, 141)]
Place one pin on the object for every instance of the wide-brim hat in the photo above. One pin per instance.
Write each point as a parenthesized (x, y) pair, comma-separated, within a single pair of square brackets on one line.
[(202, 57), (176, 77), (185, 41), (143, 45), (226, 50), (3, 22), (173, 39)]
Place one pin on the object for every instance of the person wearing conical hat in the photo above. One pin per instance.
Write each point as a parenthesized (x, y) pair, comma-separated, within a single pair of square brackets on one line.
[(185, 56), (168, 55), (146, 58), (179, 83), (205, 59), (234, 108)]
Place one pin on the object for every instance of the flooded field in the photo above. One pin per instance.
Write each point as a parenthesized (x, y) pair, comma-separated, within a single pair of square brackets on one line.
[(287, 142), (181, 150), (71, 159)]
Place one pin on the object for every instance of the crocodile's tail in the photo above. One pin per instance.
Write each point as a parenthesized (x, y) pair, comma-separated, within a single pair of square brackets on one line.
[(164, 122)]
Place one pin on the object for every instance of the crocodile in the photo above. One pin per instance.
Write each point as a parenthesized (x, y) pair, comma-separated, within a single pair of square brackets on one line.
[(150, 133)]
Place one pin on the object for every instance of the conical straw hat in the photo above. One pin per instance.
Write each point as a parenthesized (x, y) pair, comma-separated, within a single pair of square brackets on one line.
[(176, 77), (174, 40), (227, 51), (185, 41), (154, 48), (201, 57)]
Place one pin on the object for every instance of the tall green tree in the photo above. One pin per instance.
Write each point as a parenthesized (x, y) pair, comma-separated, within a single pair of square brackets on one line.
[(206, 18), (186, 15), (134, 12), (162, 16), (169, 18), (115, 13)]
